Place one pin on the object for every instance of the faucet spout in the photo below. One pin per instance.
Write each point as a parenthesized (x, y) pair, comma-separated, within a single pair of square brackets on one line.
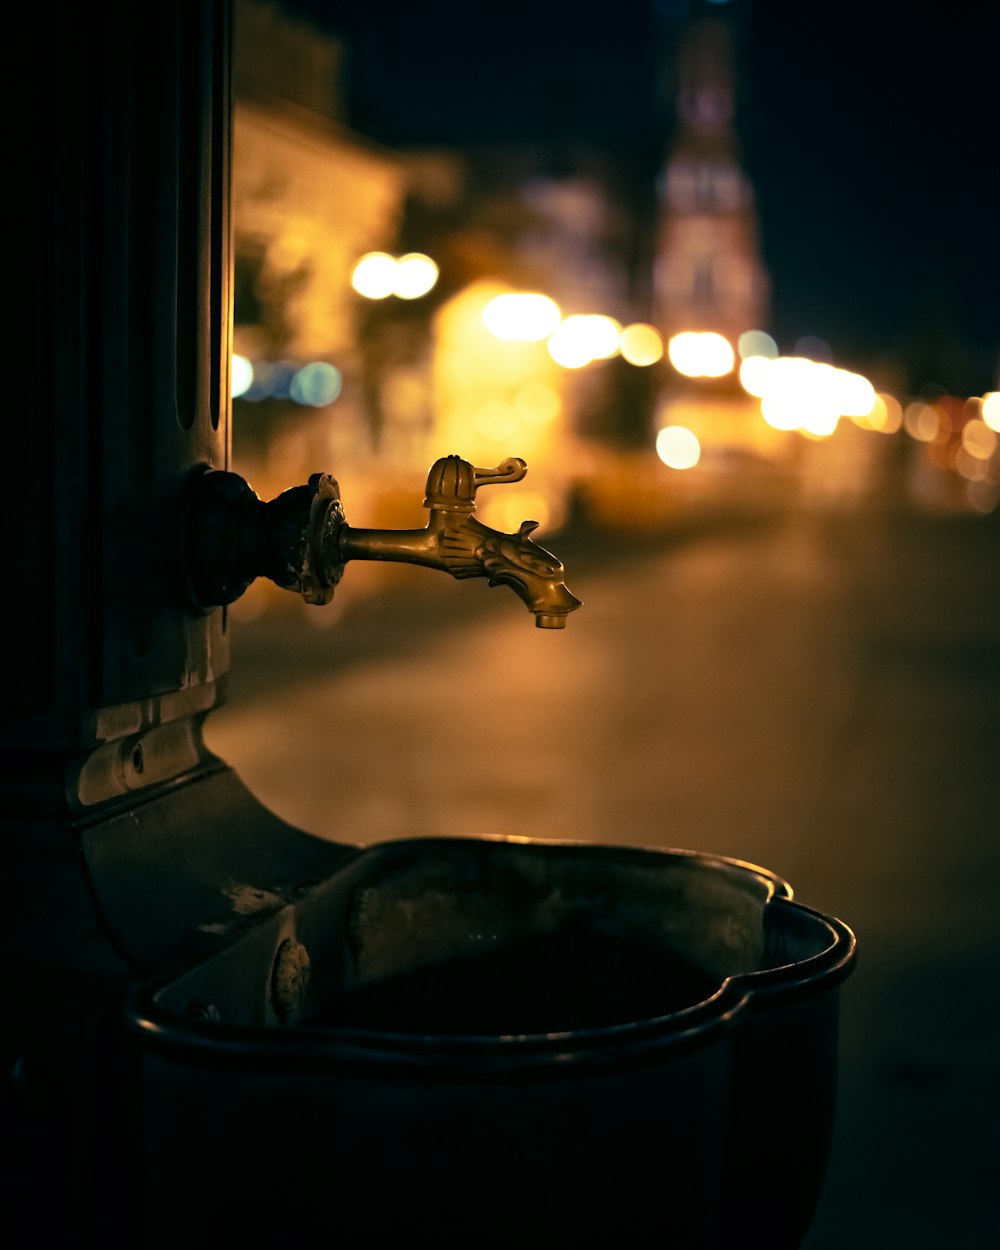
[(456, 542)]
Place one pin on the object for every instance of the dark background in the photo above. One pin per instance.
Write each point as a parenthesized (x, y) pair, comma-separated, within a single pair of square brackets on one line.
[(870, 131)]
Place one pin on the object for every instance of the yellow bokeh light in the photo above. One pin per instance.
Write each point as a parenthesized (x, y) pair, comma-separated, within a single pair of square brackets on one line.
[(374, 275), (979, 440), (819, 420), (678, 447), (990, 411), (754, 373), (569, 346), (521, 317), (537, 402), (641, 344), (701, 354), (798, 393), (603, 334), (583, 338), (781, 412), (855, 395), (416, 274), (886, 415)]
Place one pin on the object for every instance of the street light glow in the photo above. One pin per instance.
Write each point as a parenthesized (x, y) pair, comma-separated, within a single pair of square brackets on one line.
[(701, 354), (990, 411), (242, 376), (377, 275), (641, 344), (521, 317), (678, 447), (416, 274), (583, 338), (374, 275), (754, 374)]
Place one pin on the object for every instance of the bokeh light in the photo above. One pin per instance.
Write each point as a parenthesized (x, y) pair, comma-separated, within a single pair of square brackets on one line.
[(979, 440), (374, 276), (521, 317), (641, 344), (756, 343), (990, 411), (316, 384), (754, 373), (678, 447), (886, 415), (583, 338), (416, 274), (242, 375), (701, 354), (922, 421)]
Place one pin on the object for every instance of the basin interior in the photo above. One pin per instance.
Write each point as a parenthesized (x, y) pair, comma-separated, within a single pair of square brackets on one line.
[(488, 937)]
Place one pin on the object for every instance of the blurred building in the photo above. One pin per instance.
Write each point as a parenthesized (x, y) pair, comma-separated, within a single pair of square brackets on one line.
[(709, 274), (309, 196)]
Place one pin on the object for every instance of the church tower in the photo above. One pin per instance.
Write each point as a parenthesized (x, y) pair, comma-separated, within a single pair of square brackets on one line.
[(708, 274)]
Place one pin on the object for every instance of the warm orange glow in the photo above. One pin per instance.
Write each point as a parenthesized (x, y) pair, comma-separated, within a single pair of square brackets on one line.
[(496, 420), (537, 402), (504, 511), (641, 344), (678, 447), (521, 317), (701, 354), (486, 392)]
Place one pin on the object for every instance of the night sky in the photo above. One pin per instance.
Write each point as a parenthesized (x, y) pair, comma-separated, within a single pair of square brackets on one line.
[(871, 132)]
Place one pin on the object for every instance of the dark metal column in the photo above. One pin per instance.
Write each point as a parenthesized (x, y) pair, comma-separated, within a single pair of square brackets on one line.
[(120, 835)]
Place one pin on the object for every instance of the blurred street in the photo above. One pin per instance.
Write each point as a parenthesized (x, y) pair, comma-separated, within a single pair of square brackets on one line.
[(816, 693)]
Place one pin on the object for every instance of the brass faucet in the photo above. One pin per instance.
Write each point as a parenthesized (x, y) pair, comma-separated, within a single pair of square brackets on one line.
[(301, 540)]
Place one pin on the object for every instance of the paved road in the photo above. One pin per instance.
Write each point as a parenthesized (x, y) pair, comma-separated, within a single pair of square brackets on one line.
[(820, 695)]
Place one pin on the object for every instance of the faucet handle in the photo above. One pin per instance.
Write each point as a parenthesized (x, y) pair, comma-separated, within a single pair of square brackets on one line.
[(510, 470), (452, 482)]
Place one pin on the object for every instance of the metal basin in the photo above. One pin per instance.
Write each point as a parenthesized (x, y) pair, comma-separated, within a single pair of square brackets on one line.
[(499, 1042)]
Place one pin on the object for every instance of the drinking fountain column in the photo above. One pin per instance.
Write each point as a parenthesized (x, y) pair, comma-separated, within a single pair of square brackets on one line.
[(126, 846)]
